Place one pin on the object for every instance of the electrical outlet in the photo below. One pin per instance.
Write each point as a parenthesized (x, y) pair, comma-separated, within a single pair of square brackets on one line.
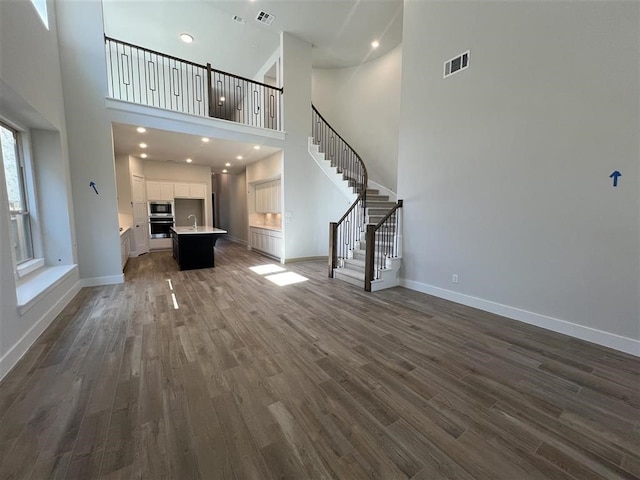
[(454, 278)]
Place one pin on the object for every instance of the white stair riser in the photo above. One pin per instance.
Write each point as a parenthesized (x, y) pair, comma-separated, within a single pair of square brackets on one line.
[(345, 278)]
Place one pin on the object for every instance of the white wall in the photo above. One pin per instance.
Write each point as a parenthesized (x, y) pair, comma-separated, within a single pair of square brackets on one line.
[(90, 143), (55, 208), (237, 207), (31, 97), (231, 199), (221, 189), (177, 172), (266, 169), (504, 167), (136, 166), (311, 200), (29, 56), (362, 104)]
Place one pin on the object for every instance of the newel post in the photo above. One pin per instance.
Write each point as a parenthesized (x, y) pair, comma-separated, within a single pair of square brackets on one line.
[(369, 256), (209, 90), (333, 230)]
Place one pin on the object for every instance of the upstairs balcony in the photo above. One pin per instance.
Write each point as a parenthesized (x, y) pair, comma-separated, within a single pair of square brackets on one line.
[(146, 77)]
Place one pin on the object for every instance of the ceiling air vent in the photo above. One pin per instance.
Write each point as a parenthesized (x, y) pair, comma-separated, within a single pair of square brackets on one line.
[(456, 64), (265, 18), (238, 19)]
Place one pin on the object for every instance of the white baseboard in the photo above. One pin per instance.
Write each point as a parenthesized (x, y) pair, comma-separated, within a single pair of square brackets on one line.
[(15, 353), (236, 240), (98, 281), (606, 339), (305, 259)]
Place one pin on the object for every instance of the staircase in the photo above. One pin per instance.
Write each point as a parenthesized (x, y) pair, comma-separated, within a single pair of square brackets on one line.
[(353, 268), (366, 243)]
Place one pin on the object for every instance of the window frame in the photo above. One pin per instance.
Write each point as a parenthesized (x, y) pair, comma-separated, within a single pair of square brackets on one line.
[(27, 194)]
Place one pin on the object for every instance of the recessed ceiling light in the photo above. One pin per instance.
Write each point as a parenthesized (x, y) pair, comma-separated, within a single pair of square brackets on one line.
[(205, 139), (189, 160), (256, 147), (143, 155), (224, 171), (143, 145), (141, 129), (375, 44), (227, 164), (239, 157), (186, 38)]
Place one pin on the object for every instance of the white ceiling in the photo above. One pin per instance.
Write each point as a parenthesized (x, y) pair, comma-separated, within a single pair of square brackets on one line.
[(340, 31), (176, 147)]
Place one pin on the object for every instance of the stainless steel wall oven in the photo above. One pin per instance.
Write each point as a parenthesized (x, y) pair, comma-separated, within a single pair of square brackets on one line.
[(159, 227)]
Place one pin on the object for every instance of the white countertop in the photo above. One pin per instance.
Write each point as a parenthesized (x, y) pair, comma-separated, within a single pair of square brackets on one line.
[(191, 230), (124, 230), (267, 227)]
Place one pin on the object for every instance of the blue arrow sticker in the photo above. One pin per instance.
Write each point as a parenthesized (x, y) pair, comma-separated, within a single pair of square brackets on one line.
[(615, 176), (93, 185)]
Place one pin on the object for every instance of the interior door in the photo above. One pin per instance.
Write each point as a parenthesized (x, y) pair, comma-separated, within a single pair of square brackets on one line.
[(140, 215)]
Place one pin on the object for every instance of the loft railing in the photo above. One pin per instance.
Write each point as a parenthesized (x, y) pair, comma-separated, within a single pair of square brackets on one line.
[(139, 75), (382, 245), (345, 234), (241, 100), (147, 77)]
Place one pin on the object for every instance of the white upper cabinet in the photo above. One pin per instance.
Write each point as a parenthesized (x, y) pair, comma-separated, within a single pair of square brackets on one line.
[(268, 197), (190, 190), (197, 190), (181, 190), (169, 190), (159, 190)]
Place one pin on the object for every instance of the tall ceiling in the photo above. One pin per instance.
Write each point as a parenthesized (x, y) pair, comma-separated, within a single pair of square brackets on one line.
[(340, 33)]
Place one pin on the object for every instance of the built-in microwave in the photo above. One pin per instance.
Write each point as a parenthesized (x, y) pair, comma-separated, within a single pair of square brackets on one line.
[(157, 209)]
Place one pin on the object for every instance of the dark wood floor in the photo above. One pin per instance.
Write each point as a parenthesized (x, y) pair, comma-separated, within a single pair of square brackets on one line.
[(250, 380)]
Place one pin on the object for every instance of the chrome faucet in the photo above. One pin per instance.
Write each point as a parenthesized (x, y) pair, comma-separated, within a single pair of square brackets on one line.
[(195, 221)]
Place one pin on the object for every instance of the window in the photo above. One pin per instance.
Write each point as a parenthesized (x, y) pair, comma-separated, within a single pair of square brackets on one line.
[(16, 194), (41, 8)]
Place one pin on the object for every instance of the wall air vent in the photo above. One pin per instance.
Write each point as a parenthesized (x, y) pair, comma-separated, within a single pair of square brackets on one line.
[(456, 64), (238, 19), (265, 18)]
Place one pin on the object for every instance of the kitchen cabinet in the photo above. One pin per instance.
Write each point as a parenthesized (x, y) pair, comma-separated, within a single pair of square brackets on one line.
[(159, 190), (268, 197), (125, 247), (266, 240), (190, 190)]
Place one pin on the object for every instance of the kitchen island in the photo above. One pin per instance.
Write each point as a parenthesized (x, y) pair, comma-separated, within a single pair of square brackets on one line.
[(193, 247)]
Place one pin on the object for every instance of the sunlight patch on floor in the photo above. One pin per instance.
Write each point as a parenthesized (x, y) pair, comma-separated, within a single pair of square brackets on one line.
[(267, 268), (175, 301), (287, 278)]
